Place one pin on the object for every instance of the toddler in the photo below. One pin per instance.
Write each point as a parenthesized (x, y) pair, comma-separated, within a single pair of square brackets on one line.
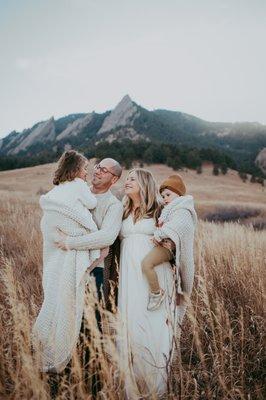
[(171, 189)]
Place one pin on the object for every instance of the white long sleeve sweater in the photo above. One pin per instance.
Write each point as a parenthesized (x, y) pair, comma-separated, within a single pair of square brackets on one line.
[(108, 217)]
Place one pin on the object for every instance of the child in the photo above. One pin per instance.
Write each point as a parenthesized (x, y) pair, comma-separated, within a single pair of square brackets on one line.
[(72, 190), (171, 190)]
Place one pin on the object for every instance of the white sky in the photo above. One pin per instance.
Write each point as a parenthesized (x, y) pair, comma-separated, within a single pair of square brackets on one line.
[(203, 57)]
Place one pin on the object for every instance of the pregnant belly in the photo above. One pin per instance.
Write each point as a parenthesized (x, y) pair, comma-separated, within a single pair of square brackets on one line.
[(133, 284), (136, 246)]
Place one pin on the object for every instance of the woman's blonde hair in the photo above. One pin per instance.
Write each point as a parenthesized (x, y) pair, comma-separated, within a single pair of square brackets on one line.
[(148, 196), (69, 165)]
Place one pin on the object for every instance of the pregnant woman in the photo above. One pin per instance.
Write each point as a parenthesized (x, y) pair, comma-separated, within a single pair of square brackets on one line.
[(147, 338)]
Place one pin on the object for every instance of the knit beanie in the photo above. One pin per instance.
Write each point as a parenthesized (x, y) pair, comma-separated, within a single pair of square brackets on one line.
[(174, 183)]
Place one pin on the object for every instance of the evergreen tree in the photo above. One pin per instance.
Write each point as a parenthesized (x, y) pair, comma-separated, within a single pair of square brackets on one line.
[(224, 169), (174, 163), (261, 181), (128, 164), (215, 170), (243, 176)]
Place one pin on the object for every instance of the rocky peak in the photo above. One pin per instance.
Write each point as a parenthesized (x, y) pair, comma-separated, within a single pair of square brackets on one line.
[(74, 128), (123, 114), (44, 131)]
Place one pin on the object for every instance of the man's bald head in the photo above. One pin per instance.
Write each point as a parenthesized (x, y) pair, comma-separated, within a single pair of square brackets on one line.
[(114, 166), (106, 174)]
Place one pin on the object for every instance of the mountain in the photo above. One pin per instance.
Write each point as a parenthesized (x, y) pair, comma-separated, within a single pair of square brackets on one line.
[(123, 115), (44, 132), (129, 121)]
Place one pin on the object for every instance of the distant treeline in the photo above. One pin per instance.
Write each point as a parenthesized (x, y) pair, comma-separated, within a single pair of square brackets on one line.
[(127, 152), (177, 157), (14, 162)]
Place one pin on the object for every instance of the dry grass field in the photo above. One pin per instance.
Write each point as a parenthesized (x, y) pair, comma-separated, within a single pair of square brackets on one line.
[(222, 341), (205, 187)]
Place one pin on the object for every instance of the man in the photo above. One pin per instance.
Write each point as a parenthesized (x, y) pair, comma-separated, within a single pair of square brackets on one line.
[(108, 217)]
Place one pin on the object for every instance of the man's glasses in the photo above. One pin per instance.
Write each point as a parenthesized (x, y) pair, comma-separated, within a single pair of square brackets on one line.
[(103, 170)]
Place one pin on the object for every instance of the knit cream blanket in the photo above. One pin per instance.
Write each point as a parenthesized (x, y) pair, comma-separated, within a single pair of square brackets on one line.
[(65, 273), (179, 222)]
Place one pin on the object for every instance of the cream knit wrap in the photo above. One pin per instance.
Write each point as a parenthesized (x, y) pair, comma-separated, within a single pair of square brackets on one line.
[(64, 276)]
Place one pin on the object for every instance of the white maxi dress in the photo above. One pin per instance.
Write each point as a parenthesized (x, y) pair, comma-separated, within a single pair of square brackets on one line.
[(146, 337)]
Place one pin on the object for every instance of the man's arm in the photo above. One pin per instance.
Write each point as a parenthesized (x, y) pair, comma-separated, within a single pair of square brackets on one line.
[(105, 236)]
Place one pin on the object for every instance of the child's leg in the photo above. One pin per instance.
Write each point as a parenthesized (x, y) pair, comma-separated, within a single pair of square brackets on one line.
[(156, 256)]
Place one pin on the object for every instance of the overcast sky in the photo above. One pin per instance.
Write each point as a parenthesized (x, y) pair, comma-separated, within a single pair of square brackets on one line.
[(203, 57)]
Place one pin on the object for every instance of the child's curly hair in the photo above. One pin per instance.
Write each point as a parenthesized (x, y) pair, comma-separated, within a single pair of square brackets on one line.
[(69, 166)]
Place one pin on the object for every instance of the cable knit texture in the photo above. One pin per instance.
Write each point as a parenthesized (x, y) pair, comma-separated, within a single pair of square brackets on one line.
[(108, 217), (179, 220), (75, 195), (64, 276)]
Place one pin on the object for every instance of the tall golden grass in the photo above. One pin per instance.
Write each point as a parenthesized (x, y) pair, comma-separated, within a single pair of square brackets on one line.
[(221, 349)]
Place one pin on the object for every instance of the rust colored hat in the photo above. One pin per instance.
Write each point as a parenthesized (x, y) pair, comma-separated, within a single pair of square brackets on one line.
[(174, 183)]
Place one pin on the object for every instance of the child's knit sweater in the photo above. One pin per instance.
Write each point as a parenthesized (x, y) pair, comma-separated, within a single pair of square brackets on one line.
[(179, 221)]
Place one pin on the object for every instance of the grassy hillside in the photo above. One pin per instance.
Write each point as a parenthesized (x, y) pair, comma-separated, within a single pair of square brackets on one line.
[(222, 336), (210, 192)]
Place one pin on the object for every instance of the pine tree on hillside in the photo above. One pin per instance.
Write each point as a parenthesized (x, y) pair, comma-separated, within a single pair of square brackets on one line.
[(261, 181), (224, 169), (199, 169), (215, 170), (243, 176)]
